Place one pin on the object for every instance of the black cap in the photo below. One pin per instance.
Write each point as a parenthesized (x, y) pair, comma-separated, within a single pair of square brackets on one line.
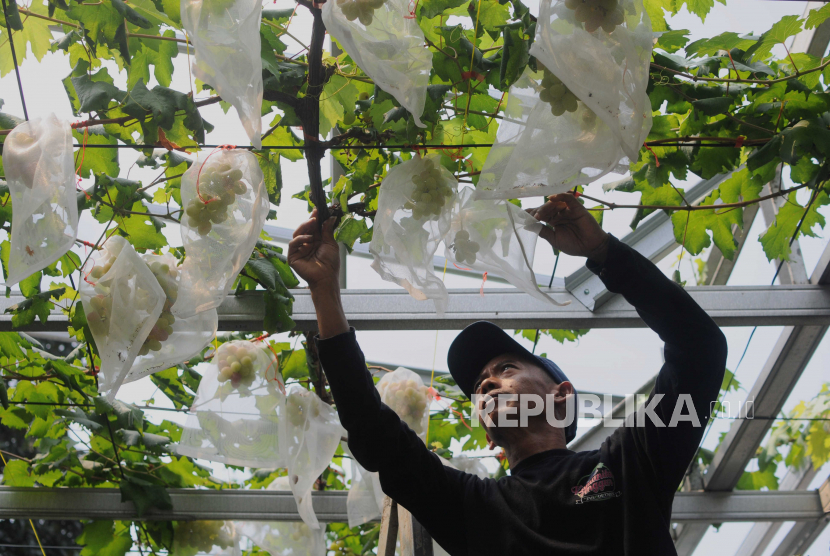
[(478, 344)]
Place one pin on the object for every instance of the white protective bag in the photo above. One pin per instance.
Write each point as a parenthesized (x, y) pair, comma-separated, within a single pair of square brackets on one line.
[(206, 538), (473, 466), (122, 301), (172, 340), (495, 237), (225, 37), (409, 229), (386, 45), (37, 160), (541, 148), (601, 51), (310, 431), (284, 538), (404, 392), (225, 206), (233, 419)]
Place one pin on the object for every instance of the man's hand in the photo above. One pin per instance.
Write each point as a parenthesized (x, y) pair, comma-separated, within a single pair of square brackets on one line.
[(313, 254), (573, 230)]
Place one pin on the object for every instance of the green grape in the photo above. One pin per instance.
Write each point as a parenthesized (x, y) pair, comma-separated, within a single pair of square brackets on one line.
[(202, 535), (588, 119), (236, 364), (407, 398), (218, 185), (597, 13), (361, 10), (301, 405), (430, 194), (465, 250), (554, 92)]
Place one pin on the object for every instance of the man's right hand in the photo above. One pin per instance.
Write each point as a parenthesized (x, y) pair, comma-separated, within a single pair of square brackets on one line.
[(314, 254)]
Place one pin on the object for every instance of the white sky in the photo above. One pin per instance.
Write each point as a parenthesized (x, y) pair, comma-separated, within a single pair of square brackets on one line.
[(610, 361)]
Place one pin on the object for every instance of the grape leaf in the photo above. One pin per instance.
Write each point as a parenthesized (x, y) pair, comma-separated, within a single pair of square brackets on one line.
[(672, 41), (35, 35), (159, 57), (817, 17), (690, 228), (105, 538), (94, 160), (776, 240)]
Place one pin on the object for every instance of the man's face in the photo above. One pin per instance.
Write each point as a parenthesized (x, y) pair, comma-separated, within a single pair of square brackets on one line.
[(510, 374)]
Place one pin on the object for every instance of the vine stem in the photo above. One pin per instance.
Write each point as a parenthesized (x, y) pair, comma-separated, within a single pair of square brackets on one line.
[(766, 82), (612, 206)]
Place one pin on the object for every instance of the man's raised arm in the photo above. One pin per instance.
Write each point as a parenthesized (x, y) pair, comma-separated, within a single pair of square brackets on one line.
[(409, 473)]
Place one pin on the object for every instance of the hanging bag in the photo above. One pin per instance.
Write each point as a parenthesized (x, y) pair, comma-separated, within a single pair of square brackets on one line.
[(386, 44), (233, 419), (600, 51), (225, 37), (284, 538), (309, 434), (171, 340), (40, 172), (206, 538), (547, 142), (495, 237), (122, 301), (225, 207), (413, 216)]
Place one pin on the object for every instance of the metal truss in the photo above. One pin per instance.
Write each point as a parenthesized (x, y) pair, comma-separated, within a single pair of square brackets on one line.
[(264, 505)]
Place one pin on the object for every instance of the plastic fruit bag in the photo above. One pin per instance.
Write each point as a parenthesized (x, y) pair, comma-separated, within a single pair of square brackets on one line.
[(365, 500), (171, 340), (225, 206), (225, 37), (473, 466), (404, 392), (495, 236), (601, 51), (214, 538), (547, 142), (234, 417), (122, 301), (386, 44), (40, 172), (285, 538), (412, 217), (309, 434)]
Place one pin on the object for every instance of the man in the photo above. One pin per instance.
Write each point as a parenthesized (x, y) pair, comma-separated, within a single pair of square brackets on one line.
[(615, 500)]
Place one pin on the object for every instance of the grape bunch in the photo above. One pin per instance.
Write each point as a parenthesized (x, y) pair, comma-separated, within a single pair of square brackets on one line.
[(236, 363), (299, 531), (362, 10), (202, 535), (407, 398), (218, 186), (597, 13), (465, 250), (554, 92), (301, 405), (100, 304), (431, 192), (340, 549), (166, 276)]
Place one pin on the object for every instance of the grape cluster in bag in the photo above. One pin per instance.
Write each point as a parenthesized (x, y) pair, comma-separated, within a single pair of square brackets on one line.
[(386, 44), (172, 340), (310, 432), (412, 218), (234, 418), (123, 301), (208, 538), (40, 172), (225, 209)]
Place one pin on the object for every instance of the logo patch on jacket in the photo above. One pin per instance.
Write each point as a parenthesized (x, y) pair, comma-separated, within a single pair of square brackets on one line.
[(597, 485)]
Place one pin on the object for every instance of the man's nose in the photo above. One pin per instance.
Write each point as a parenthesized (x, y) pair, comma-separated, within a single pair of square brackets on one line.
[(489, 384)]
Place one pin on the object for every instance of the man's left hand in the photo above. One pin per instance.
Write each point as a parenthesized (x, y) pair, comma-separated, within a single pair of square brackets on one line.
[(572, 228)]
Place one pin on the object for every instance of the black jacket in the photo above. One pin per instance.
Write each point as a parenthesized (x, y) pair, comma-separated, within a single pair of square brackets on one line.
[(615, 500)]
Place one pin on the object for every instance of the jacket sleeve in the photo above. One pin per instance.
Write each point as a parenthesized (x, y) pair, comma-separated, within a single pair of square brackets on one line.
[(409, 473), (665, 436)]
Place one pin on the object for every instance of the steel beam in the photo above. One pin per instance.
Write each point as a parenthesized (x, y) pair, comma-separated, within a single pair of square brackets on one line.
[(265, 505), (394, 309), (653, 238), (786, 363), (802, 535)]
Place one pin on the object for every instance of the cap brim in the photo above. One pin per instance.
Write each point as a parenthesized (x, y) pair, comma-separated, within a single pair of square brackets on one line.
[(476, 346)]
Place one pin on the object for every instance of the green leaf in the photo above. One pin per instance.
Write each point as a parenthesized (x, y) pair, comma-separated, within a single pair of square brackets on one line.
[(12, 16), (158, 54), (434, 8), (816, 17), (149, 440), (725, 41), (10, 343), (94, 92), (4, 395), (277, 313), (96, 160), (776, 240), (713, 106), (130, 14), (293, 364), (489, 15), (144, 496), (694, 235), (105, 538), (349, 230), (16, 473), (35, 35), (672, 41), (514, 57), (756, 480), (788, 26), (149, 10)]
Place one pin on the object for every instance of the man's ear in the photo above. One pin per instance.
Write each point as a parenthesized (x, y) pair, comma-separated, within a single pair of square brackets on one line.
[(491, 445), (563, 390)]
